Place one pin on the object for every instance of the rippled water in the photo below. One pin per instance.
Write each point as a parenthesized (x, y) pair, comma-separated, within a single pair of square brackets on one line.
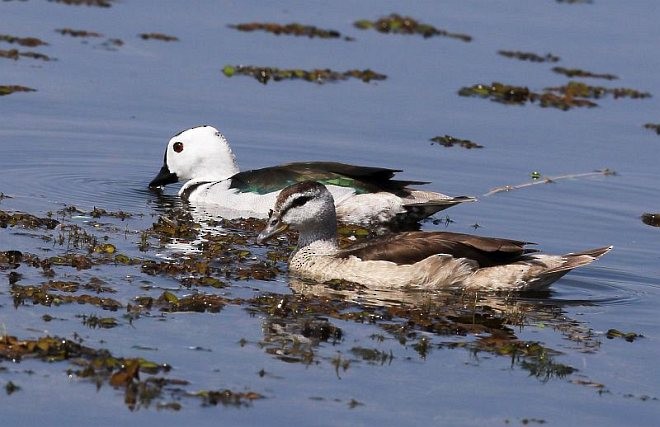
[(93, 135)]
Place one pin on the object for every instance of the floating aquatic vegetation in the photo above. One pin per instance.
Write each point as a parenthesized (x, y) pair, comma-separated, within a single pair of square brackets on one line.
[(10, 260), (653, 126), (320, 76), (533, 357), (41, 295), (9, 89), (583, 90), (573, 94), (372, 355), (450, 141), (178, 224), (652, 219), (628, 336), (528, 56), (127, 374), (227, 397), (539, 179), (23, 41), (94, 322), (507, 94), (158, 36), (78, 33), (98, 3), (169, 302), (206, 281), (398, 24), (25, 220), (98, 213), (576, 72), (10, 388), (293, 29), (15, 54), (112, 44)]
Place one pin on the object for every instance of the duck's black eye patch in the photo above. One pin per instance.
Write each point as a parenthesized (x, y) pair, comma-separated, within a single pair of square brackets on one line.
[(178, 147), (299, 201)]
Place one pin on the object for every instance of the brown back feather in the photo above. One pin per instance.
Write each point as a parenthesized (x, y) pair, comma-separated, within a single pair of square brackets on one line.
[(414, 246)]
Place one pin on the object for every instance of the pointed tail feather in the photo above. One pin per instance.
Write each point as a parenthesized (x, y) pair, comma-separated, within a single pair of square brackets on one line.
[(427, 208), (577, 259)]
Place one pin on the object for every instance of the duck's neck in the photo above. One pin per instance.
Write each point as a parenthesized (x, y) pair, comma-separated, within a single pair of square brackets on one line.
[(220, 164), (324, 232)]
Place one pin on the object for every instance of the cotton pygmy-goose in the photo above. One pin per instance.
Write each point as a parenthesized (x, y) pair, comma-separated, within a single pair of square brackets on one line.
[(417, 259), (201, 156)]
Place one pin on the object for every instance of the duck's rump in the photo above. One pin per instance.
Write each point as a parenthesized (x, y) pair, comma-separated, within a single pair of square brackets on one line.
[(414, 246), (364, 179)]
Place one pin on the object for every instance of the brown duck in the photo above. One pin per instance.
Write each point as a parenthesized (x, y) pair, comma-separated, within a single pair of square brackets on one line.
[(429, 260)]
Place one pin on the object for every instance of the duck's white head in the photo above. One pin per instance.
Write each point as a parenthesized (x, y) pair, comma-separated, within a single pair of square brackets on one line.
[(201, 153), (307, 207)]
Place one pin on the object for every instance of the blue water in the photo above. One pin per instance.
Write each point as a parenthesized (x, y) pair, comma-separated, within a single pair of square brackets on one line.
[(94, 133)]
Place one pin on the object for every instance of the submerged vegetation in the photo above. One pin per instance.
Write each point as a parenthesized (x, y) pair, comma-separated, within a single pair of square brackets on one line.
[(320, 76)]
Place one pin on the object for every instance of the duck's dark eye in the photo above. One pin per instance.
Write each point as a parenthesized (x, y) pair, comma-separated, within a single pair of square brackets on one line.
[(178, 147)]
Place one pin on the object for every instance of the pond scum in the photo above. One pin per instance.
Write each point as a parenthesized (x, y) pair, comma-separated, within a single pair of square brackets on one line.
[(294, 327)]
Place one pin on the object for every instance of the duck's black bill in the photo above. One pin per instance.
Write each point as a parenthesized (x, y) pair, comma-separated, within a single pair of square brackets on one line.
[(164, 177)]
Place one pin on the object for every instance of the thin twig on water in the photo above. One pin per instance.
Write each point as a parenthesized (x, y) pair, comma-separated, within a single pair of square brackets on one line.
[(548, 180)]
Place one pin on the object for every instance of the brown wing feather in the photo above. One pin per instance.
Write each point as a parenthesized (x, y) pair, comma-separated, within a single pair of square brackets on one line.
[(414, 246)]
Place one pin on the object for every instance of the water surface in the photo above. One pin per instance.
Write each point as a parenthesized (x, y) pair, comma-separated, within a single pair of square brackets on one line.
[(93, 134)]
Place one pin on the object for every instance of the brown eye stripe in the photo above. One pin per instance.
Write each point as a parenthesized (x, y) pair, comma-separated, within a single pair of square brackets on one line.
[(178, 147)]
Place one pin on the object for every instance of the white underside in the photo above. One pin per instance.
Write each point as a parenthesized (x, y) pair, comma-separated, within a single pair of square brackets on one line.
[(228, 203), (317, 262)]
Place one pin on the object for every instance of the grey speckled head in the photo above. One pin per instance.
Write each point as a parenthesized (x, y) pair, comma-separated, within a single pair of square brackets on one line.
[(297, 195)]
